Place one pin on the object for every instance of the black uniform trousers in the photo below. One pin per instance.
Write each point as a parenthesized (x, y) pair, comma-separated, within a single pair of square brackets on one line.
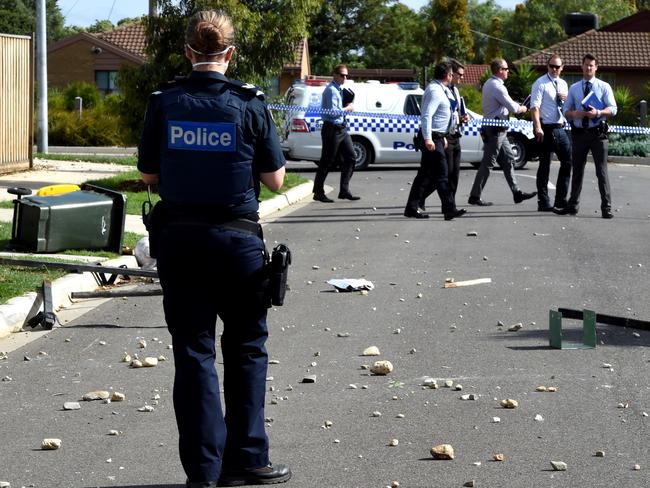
[(335, 140), (433, 173), (223, 278), (556, 140), (583, 142), (452, 154)]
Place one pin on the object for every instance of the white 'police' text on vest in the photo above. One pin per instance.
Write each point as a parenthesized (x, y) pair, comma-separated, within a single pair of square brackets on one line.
[(201, 136)]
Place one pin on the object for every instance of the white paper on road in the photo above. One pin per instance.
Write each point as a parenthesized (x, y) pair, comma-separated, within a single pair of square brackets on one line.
[(351, 284)]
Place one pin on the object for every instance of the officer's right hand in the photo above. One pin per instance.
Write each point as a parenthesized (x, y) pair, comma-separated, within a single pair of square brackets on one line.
[(522, 109), (349, 107), (430, 145), (539, 134)]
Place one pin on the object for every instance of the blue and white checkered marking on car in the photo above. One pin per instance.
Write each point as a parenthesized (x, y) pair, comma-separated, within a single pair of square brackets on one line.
[(201, 136), (377, 122)]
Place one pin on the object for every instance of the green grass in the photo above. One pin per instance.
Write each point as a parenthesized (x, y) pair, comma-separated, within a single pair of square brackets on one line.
[(90, 158)]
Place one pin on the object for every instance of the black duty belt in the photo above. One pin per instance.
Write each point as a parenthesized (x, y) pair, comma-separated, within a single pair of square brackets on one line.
[(552, 126), (438, 135), (337, 126), (581, 130)]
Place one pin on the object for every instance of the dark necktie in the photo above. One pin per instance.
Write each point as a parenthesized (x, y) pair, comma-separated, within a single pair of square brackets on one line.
[(585, 120)]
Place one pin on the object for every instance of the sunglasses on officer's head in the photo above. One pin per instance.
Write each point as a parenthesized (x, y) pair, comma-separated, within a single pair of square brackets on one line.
[(343, 75)]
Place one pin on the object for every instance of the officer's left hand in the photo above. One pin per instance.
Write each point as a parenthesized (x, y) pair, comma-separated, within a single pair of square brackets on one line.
[(349, 107), (430, 145), (464, 119)]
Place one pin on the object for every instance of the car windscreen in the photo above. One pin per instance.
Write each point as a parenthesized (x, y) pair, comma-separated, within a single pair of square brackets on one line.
[(412, 105)]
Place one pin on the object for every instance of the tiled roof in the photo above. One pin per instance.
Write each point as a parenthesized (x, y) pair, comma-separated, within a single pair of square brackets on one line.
[(129, 37), (473, 73), (620, 50), (298, 53)]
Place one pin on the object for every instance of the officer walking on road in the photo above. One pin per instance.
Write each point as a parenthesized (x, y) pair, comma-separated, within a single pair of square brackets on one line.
[(336, 139), (497, 104), (547, 98), (434, 127), (207, 142), (589, 133)]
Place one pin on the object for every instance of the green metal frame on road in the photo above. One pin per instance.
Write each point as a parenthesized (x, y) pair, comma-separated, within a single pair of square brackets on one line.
[(588, 331)]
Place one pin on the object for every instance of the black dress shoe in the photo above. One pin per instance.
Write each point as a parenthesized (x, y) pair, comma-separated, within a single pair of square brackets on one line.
[(266, 475), (565, 211), (416, 214), (456, 213), (560, 204), (322, 198), (607, 214), (520, 196), (201, 484), (544, 208), (479, 202), (348, 196)]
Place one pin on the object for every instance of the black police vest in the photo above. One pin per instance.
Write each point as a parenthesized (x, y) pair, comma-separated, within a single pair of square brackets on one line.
[(205, 158)]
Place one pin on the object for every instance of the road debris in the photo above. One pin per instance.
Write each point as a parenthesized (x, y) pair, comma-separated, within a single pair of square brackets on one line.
[(96, 395), (126, 357), (393, 442), (496, 420), (539, 418), (472, 233), (71, 406), (381, 367), (146, 408), (136, 363), (499, 457), (458, 284), (351, 284), (509, 403), (117, 396), (149, 362), (515, 327), (442, 451), (600, 454), (559, 465), (311, 378), (142, 343), (50, 444), (371, 351)]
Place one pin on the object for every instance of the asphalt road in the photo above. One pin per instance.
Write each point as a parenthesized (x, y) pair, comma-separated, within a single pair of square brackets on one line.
[(536, 262)]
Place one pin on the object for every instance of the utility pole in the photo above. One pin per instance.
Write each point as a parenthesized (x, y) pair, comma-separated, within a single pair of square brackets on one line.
[(41, 77), (152, 8)]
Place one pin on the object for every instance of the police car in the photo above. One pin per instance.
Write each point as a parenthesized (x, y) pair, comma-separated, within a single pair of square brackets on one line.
[(386, 117)]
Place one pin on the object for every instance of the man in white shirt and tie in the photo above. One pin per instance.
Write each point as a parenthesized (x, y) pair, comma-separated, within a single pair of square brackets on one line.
[(547, 98), (589, 133)]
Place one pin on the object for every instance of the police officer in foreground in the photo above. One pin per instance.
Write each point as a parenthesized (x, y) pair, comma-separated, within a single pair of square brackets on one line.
[(207, 142)]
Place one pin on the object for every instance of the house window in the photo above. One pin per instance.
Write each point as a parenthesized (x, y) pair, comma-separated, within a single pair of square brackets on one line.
[(106, 82)]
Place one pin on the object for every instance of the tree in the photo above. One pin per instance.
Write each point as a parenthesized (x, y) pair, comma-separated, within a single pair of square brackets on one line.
[(101, 26), (267, 33), (493, 49), (448, 32), (480, 17), (395, 41), (19, 17), (339, 29)]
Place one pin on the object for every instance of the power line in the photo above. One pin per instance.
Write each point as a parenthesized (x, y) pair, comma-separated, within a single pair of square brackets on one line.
[(70, 9), (508, 42), (110, 12)]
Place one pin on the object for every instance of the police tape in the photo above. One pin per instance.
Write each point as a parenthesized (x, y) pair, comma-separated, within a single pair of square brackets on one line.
[(516, 125)]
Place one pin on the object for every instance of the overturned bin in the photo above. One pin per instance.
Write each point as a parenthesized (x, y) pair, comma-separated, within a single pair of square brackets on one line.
[(91, 218)]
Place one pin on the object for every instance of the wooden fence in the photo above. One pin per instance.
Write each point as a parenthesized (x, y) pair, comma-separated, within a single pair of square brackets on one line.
[(16, 102)]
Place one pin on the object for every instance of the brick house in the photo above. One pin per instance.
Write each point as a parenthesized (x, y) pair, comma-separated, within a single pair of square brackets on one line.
[(622, 49), (95, 58)]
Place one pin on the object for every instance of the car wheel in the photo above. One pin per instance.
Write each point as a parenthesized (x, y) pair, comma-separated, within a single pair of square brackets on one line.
[(363, 153), (519, 149)]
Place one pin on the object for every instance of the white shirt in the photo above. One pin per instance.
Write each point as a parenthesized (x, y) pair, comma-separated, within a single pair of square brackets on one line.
[(544, 97)]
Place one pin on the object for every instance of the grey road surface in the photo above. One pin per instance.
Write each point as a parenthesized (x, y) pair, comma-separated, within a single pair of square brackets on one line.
[(536, 262)]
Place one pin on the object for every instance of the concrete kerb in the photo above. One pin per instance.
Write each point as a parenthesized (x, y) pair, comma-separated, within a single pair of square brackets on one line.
[(15, 313)]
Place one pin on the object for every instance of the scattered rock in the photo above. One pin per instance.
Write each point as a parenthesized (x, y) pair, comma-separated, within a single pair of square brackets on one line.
[(540, 388), (472, 233), (5, 484), (559, 465), (539, 418), (371, 351), (600, 454), (551, 389), (328, 424), (50, 444), (430, 382), (393, 442), (381, 367), (71, 406), (448, 383), (3, 355), (458, 388), (637, 467), (470, 396), (442, 451), (470, 483), (149, 362), (162, 358), (113, 432), (142, 344), (117, 396), (96, 395), (7, 378), (499, 456), (496, 420), (126, 357), (500, 324), (311, 378), (509, 403), (343, 334), (274, 361), (376, 413), (515, 327), (136, 363), (394, 484), (400, 416), (146, 408)]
